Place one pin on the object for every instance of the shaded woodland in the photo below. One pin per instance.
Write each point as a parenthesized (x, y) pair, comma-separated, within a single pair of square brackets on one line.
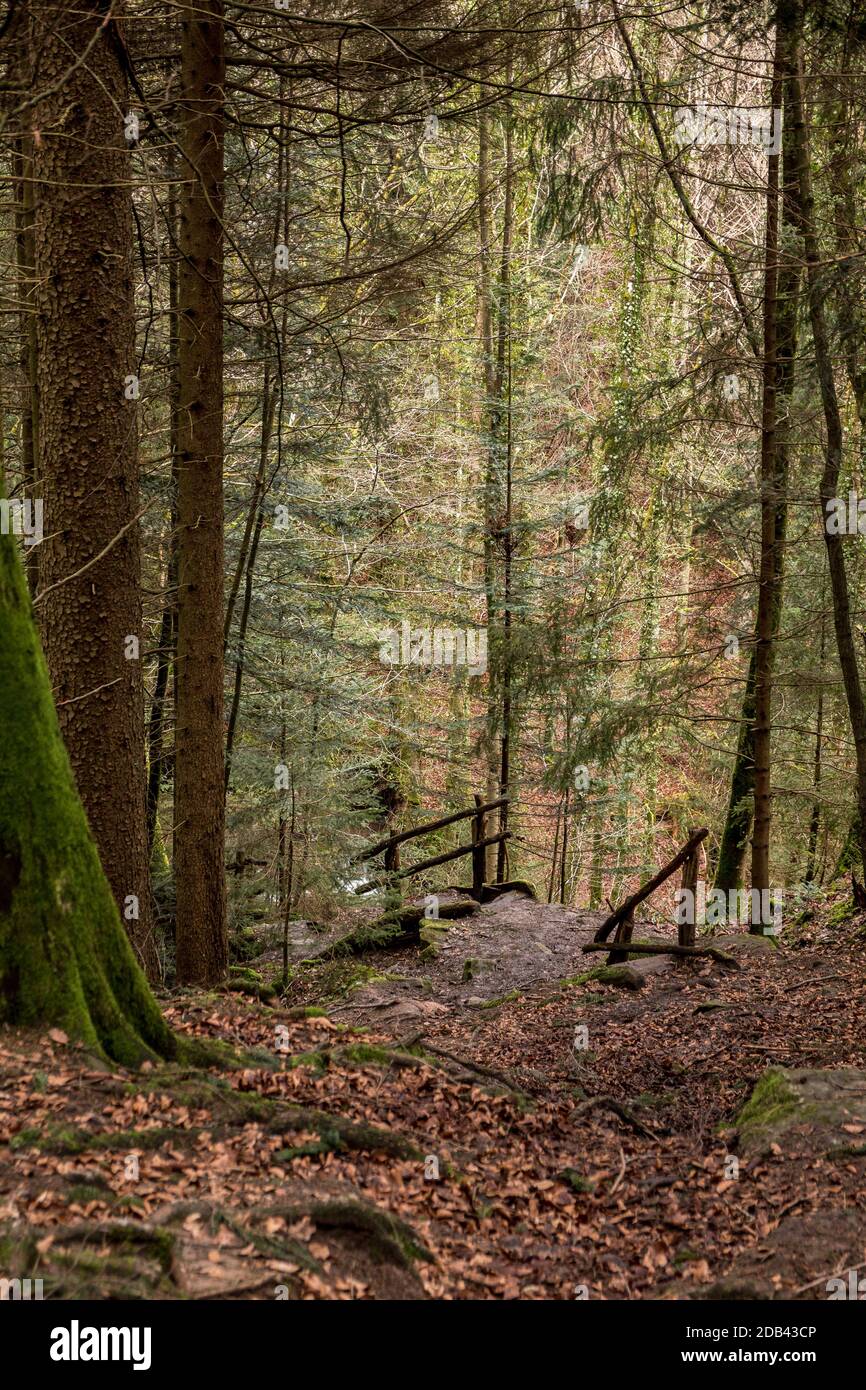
[(432, 618)]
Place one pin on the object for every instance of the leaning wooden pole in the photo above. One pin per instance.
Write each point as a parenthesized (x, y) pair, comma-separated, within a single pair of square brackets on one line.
[(626, 908)]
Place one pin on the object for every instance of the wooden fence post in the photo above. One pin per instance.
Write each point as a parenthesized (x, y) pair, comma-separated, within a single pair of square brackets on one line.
[(623, 936), (686, 928), (478, 855)]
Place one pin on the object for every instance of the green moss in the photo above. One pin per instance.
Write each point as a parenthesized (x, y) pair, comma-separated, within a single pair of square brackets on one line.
[(575, 1180), (771, 1102), (365, 1054), (503, 999), (842, 912), (388, 1236), (650, 1100), (65, 959), (69, 1140), (214, 1052), (686, 1255), (608, 974), (243, 980), (377, 936), (358, 1055), (573, 980), (82, 1193), (25, 1138), (245, 973)]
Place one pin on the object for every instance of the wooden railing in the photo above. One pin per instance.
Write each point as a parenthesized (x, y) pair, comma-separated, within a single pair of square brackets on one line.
[(391, 847), (623, 917)]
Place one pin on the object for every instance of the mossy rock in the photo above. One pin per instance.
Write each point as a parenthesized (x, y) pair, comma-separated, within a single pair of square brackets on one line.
[(741, 941), (796, 1102), (491, 891), (623, 976), (243, 980), (244, 945)]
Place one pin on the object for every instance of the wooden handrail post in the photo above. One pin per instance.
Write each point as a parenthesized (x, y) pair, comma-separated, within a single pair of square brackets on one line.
[(478, 855), (627, 907), (689, 884), (623, 936)]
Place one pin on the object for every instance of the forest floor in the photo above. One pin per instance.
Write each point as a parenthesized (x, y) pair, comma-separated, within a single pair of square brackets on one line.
[(411, 1126)]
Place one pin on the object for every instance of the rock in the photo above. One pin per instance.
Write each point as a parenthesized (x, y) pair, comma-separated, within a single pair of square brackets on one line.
[(740, 941), (653, 965), (491, 891), (410, 1011), (625, 976), (805, 1255), (787, 1099)]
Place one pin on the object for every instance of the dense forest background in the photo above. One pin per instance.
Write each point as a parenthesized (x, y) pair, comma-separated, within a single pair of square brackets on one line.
[(452, 414), (439, 400)]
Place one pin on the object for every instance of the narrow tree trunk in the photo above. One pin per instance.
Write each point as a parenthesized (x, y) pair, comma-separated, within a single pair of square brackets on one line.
[(817, 283), (165, 657), (738, 821), (815, 818), (768, 569), (202, 946), (90, 608), (242, 645), (488, 419)]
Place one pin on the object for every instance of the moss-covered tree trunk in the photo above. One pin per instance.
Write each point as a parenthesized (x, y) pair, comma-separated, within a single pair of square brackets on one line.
[(65, 959), (89, 564)]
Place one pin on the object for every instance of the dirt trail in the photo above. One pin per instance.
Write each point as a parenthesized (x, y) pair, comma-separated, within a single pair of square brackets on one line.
[(510, 946), (524, 1133), (681, 1058)]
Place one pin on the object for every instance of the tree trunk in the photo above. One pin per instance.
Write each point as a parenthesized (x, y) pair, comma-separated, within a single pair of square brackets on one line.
[(738, 821), (165, 658), (833, 449), (504, 379), (90, 608), (25, 258), (202, 946), (65, 960), (768, 569), (488, 420)]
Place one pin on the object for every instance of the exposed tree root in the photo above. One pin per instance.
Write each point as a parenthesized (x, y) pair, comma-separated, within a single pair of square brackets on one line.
[(608, 1103)]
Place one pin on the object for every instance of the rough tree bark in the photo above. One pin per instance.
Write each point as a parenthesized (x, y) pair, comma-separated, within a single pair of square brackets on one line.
[(489, 419), (25, 256), (817, 281), (165, 658), (738, 821), (89, 569), (202, 946), (768, 568)]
